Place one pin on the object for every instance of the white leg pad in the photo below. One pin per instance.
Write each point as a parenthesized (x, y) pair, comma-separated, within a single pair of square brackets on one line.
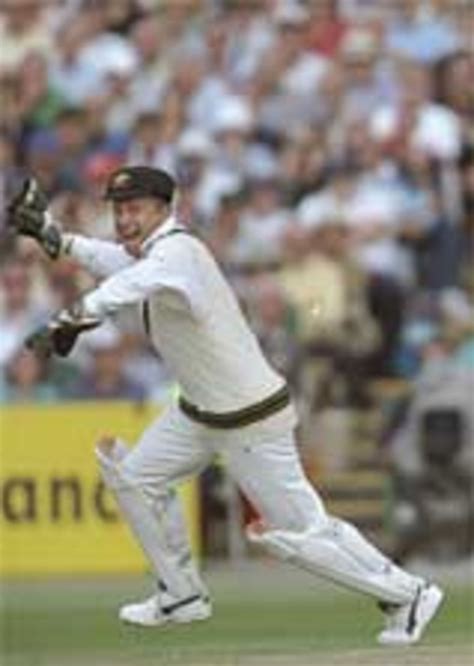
[(338, 552), (141, 519), (169, 514)]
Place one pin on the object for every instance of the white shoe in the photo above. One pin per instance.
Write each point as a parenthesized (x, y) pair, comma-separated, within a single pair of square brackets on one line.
[(162, 608), (404, 625)]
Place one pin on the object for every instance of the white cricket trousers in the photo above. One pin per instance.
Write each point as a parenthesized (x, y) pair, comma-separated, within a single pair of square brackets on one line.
[(263, 460)]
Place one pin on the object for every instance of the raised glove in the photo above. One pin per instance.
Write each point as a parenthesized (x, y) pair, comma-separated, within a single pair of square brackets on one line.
[(27, 214), (59, 335)]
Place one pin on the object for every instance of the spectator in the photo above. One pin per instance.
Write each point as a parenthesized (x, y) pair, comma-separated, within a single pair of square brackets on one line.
[(300, 70), (149, 39), (191, 82), (106, 378), (42, 157), (145, 146), (26, 380), (327, 27), (431, 447), (303, 165), (262, 222), (233, 124), (289, 76), (467, 176), (71, 74), (8, 109), (329, 296), (452, 83), (424, 37), (223, 237), (121, 15), (73, 145), (273, 322), (38, 103), (143, 367), (64, 284), (104, 50), (20, 311), (23, 30), (367, 84), (10, 173), (417, 120)]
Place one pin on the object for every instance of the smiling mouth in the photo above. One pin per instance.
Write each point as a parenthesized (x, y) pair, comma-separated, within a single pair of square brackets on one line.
[(131, 235)]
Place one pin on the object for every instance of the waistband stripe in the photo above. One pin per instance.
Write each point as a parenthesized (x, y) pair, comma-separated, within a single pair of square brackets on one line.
[(242, 417)]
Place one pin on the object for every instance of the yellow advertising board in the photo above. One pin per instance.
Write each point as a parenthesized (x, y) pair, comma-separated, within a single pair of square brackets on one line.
[(55, 514)]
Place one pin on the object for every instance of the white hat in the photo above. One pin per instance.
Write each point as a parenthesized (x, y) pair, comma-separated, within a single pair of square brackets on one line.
[(111, 55), (455, 305), (234, 115), (194, 142), (261, 165), (359, 43), (288, 12), (318, 211)]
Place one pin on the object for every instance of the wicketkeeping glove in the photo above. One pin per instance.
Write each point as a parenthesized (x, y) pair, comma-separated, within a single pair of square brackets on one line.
[(59, 335), (27, 214)]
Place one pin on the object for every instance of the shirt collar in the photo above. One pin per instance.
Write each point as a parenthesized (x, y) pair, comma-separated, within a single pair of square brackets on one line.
[(168, 225)]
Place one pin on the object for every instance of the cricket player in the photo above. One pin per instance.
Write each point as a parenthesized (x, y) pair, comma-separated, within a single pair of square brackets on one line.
[(232, 402)]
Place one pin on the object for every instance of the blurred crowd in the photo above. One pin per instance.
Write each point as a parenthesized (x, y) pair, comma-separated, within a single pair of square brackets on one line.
[(324, 150)]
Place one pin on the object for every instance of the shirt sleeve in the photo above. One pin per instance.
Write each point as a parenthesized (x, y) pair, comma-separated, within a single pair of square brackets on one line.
[(171, 277), (101, 258)]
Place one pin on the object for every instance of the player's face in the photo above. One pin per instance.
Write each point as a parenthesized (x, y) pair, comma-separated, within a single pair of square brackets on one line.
[(136, 219)]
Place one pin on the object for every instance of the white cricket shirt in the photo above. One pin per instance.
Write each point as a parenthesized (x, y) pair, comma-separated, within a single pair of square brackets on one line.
[(195, 320)]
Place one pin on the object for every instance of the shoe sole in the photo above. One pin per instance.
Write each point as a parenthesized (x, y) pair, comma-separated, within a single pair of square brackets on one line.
[(144, 625), (167, 620), (407, 639)]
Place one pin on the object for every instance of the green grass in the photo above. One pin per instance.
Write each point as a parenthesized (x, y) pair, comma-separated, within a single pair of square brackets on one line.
[(257, 613)]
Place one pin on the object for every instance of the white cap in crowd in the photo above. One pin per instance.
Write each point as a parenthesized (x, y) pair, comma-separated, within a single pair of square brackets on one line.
[(290, 12), (261, 165), (111, 55), (359, 43), (233, 115), (194, 142), (455, 305), (317, 212)]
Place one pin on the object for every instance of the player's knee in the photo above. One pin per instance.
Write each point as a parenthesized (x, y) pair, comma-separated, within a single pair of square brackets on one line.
[(111, 448), (111, 455), (297, 517), (285, 542), (135, 472)]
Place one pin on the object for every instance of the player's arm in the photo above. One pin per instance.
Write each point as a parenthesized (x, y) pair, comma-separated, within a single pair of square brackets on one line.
[(100, 258), (170, 276), (28, 215), (162, 275)]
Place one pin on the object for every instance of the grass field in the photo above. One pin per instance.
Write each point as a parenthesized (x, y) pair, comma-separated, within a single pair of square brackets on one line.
[(264, 615)]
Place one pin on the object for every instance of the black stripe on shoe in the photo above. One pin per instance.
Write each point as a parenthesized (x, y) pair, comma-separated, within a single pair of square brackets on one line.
[(411, 624), (167, 610)]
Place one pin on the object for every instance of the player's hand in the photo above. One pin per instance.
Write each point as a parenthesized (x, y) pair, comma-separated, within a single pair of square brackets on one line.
[(27, 214), (59, 335)]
